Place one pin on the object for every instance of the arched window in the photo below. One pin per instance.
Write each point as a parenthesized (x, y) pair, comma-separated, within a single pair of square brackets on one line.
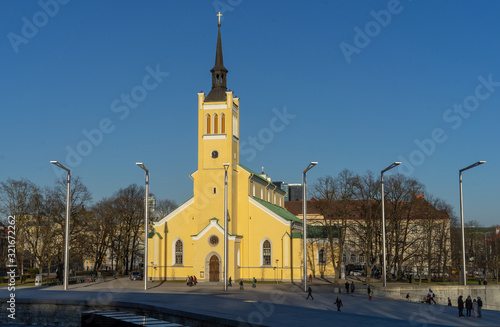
[(223, 124), (216, 124), (178, 252), (361, 258), (353, 258), (266, 253), (208, 126), (321, 257)]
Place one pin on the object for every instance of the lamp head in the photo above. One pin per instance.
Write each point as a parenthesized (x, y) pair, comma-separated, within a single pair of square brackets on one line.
[(226, 165), (142, 166)]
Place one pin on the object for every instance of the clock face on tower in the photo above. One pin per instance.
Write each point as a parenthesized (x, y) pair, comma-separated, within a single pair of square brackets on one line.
[(215, 154)]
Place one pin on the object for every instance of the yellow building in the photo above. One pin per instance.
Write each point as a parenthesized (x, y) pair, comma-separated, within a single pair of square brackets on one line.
[(264, 239)]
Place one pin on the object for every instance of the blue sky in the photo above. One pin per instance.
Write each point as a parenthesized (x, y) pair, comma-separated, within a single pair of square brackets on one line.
[(367, 83)]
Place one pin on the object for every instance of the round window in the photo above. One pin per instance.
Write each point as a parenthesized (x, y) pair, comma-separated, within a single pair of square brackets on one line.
[(214, 240)]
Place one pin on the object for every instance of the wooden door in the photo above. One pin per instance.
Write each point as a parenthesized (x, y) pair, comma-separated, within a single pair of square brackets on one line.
[(214, 269)]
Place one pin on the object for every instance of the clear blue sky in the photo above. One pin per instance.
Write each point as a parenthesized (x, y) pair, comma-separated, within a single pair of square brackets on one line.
[(366, 82)]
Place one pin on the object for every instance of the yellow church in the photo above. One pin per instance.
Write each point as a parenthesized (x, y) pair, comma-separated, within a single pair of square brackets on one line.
[(264, 239)]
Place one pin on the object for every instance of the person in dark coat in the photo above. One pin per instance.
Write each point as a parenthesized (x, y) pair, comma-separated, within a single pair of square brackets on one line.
[(339, 304), (347, 287), (460, 306), (480, 305), (468, 306), (352, 287), (449, 302), (309, 293)]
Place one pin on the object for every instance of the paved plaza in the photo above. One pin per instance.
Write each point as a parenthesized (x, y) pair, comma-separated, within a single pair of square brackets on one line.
[(267, 304)]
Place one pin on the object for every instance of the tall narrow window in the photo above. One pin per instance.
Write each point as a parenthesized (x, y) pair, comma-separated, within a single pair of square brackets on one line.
[(216, 124), (266, 253), (208, 128), (321, 257), (178, 252), (223, 124)]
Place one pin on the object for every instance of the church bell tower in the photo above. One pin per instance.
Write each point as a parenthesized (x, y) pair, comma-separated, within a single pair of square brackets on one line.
[(218, 141)]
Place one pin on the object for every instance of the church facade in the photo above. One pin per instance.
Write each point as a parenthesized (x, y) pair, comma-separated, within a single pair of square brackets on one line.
[(264, 239)]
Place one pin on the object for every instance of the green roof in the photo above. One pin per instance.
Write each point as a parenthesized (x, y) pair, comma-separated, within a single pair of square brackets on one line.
[(261, 178), (282, 212), (296, 234), (322, 231)]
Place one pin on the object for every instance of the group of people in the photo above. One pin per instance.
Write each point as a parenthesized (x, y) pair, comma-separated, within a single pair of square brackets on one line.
[(254, 283), (470, 305), (191, 280), (349, 286)]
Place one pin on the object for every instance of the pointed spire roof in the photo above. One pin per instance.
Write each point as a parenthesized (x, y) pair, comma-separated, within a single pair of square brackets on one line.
[(219, 74), (219, 61)]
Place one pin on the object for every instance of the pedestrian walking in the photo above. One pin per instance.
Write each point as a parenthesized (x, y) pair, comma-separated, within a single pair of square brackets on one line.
[(485, 282), (254, 282), (430, 297), (309, 293), (370, 295), (352, 287), (460, 306), (310, 278), (229, 283), (468, 306), (449, 302), (195, 281), (339, 304), (408, 297), (347, 287), (241, 285), (479, 306)]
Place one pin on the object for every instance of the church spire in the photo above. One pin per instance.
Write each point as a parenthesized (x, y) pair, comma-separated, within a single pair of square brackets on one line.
[(219, 74)]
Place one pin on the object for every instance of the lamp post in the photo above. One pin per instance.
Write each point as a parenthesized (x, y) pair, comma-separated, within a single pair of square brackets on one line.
[(384, 271), (304, 223), (146, 224), (66, 227), (226, 167), (464, 277)]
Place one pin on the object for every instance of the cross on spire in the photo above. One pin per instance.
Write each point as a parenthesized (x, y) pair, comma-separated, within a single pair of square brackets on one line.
[(220, 15)]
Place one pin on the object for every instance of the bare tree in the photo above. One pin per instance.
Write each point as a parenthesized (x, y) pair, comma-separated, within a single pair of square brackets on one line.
[(400, 196), (128, 212), (366, 230), (334, 202), (19, 198), (163, 208)]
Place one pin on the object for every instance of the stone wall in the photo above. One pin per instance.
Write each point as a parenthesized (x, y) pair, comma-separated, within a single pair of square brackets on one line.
[(490, 294)]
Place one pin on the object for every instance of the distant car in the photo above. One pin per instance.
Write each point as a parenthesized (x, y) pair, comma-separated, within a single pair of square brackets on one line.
[(356, 273), (136, 275)]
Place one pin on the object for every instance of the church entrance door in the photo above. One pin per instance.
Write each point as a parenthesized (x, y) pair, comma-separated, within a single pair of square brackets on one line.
[(214, 269)]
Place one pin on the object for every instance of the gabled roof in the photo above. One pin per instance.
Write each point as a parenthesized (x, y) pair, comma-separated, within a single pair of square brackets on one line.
[(259, 177), (282, 212)]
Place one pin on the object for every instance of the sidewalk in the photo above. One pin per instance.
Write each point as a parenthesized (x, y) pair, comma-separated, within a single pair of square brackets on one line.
[(268, 304)]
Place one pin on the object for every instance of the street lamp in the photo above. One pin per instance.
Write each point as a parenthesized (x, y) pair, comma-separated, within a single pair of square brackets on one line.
[(464, 277), (304, 224), (226, 167), (146, 209), (384, 271), (66, 227)]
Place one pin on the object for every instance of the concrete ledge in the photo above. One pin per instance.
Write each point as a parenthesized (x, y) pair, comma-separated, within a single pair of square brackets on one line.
[(490, 294), (68, 312)]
